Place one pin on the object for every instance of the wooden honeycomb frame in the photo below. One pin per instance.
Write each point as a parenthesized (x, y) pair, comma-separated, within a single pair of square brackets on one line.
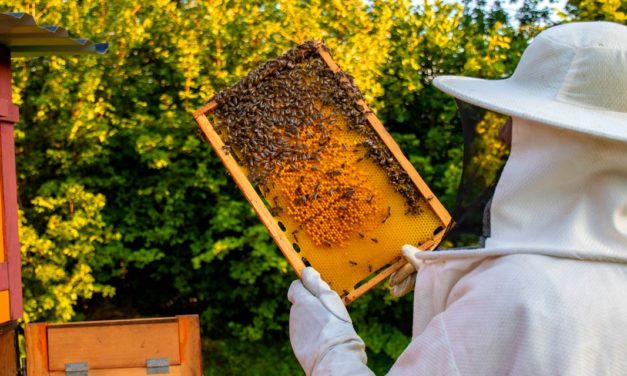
[(271, 223)]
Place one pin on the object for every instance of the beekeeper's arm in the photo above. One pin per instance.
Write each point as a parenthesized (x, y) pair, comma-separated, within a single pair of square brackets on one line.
[(321, 331), (325, 342)]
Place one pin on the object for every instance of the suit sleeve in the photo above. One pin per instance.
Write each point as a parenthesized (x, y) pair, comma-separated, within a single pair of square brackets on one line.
[(427, 354), (484, 327), (346, 359)]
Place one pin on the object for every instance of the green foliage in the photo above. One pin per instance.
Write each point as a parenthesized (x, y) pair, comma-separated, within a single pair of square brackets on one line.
[(599, 10), (123, 205), (232, 357), (58, 261)]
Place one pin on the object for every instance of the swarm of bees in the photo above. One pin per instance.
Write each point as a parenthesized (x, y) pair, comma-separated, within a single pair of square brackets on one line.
[(280, 124)]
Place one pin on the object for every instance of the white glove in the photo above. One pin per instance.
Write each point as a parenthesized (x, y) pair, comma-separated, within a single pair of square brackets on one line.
[(321, 331), (403, 280)]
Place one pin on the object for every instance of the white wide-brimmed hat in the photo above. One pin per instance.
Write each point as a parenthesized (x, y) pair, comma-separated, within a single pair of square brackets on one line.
[(572, 76)]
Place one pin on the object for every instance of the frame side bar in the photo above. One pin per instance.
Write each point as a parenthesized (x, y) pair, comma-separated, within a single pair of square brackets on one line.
[(251, 195)]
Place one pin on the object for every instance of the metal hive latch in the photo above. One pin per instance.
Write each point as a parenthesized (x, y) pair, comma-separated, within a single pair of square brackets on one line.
[(76, 369), (156, 366)]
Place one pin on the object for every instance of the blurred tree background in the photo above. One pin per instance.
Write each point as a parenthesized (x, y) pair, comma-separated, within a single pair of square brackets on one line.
[(126, 212)]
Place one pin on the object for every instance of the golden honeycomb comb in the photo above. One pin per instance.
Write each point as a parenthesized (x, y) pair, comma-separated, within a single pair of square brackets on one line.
[(334, 189)]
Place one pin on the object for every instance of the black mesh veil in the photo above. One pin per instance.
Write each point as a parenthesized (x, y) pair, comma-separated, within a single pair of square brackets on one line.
[(485, 152)]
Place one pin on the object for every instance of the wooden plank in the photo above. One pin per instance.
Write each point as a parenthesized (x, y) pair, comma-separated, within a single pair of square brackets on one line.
[(36, 339), (9, 186), (189, 345), (8, 355), (11, 240), (3, 248), (251, 195), (427, 246), (4, 276), (5, 307), (151, 320), (174, 371), (205, 109), (112, 346)]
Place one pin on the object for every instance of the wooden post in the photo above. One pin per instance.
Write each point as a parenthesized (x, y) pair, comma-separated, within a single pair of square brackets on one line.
[(36, 341), (10, 265), (8, 350), (189, 345)]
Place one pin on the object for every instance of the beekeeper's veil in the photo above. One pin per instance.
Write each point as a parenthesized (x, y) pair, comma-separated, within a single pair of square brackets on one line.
[(564, 185), (486, 142)]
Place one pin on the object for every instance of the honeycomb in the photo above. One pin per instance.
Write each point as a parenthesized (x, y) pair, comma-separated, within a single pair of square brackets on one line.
[(301, 135), (328, 196)]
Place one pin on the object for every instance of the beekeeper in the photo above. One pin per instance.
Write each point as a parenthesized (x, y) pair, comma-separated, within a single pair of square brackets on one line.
[(548, 292)]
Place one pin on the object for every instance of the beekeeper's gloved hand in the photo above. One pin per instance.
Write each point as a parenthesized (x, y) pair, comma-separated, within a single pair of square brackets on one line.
[(321, 331), (403, 280)]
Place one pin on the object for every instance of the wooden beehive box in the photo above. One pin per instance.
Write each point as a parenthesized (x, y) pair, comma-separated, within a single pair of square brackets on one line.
[(320, 170), (115, 348)]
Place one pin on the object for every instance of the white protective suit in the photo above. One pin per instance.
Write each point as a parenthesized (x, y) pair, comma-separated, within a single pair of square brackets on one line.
[(548, 293)]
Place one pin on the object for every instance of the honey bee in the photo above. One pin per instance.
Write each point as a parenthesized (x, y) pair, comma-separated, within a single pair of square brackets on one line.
[(387, 215)]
